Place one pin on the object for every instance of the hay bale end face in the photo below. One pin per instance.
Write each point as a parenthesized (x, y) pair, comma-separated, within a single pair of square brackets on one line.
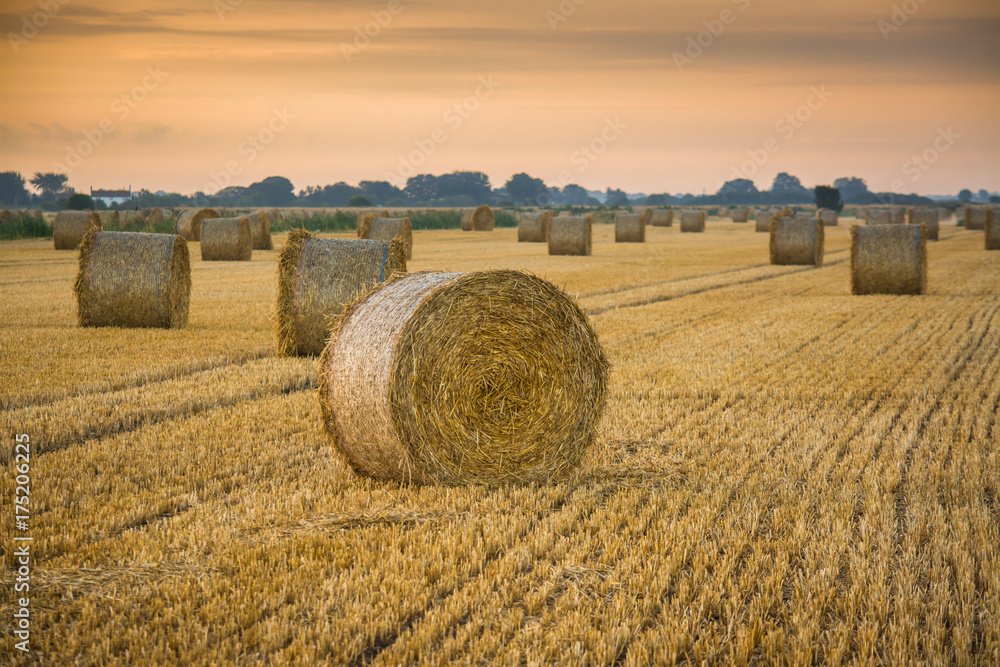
[(365, 225), (992, 227), (929, 218), (70, 227), (663, 218), (796, 241), (480, 219), (226, 240), (477, 378), (387, 229), (533, 227), (318, 278), (975, 218), (693, 220), (741, 214), (570, 235), (190, 220), (827, 217), (630, 228), (260, 230), (888, 259), (133, 279), (762, 219)]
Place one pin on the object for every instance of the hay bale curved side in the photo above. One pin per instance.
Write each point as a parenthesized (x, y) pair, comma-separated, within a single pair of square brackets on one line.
[(190, 220), (630, 228), (533, 227), (70, 227), (930, 218), (226, 240), (693, 220), (570, 235), (489, 378), (663, 218), (260, 230), (741, 214), (797, 241), (133, 279), (480, 219), (318, 278), (992, 227), (387, 229), (888, 259)]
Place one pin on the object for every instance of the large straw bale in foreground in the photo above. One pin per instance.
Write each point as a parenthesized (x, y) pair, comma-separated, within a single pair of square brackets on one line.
[(226, 240), (260, 230), (70, 227), (929, 218), (463, 378), (796, 240), (133, 279), (570, 235), (479, 219), (992, 228), (318, 278), (975, 218), (741, 214), (387, 229), (190, 220), (630, 228), (828, 217), (533, 227), (888, 259), (693, 220), (663, 217)]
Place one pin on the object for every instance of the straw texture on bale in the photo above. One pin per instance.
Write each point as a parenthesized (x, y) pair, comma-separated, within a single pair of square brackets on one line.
[(885, 216), (693, 220), (630, 228), (929, 218), (663, 218), (992, 227), (463, 378), (647, 217), (226, 240), (110, 218), (534, 227), (70, 227), (888, 259), (570, 235), (260, 231), (387, 229), (155, 215), (365, 225), (133, 279), (724, 211), (975, 217), (318, 278), (478, 220), (741, 214), (828, 217), (796, 240), (762, 219), (190, 220)]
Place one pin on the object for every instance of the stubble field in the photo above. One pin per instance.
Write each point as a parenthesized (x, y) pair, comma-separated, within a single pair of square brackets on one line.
[(784, 473)]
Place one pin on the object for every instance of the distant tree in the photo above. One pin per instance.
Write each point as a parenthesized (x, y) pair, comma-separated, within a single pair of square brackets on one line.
[(983, 196), (80, 202), (233, 193), (474, 184), (12, 190), (505, 203), (574, 195), (380, 191), (522, 187), (738, 185), (995, 199), (50, 185), (656, 200), (272, 191), (785, 182), (965, 196), (613, 197), (852, 189), (592, 201), (359, 200), (337, 194), (828, 197)]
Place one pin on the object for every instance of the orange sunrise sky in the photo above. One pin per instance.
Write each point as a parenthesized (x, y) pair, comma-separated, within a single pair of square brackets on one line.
[(164, 96)]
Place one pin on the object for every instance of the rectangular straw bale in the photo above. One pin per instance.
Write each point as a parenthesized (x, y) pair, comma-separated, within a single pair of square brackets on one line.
[(693, 220), (797, 241), (570, 235), (888, 259), (630, 228), (663, 217), (226, 239), (928, 217)]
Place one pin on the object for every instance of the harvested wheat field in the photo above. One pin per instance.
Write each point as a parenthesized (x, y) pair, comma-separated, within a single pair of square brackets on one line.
[(784, 473)]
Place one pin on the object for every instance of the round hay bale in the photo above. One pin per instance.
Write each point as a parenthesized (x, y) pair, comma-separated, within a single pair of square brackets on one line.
[(879, 216), (693, 220), (226, 240), (318, 278), (647, 217), (796, 240), (888, 259), (992, 227), (943, 214), (533, 227), (663, 217), (630, 228), (133, 279), (70, 227), (570, 235), (110, 218), (365, 222), (463, 378), (724, 211), (260, 230), (479, 219), (741, 214), (190, 220), (828, 217), (133, 221), (155, 215), (929, 218), (762, 220), (387, 229), (975, 218)]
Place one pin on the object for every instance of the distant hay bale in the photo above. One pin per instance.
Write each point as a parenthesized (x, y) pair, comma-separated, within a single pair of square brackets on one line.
[(888, 259), (975, 218), (260, 230), (479, 219), (70, 227), (226, 240), (929, 218), (943, 214), (365, 225), (762, 219), (533, 227), (190, 220), (133, 221), (693, 220), (387, 229), (741, 214), (110, 218), (318, 278), (828, 217), (992, 228), (880, 216), (663, 217), (797, 241), (491, 377), (570, 235), (647, 217), (155, 215), (724, 212), (133, 279), (630, 228)]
